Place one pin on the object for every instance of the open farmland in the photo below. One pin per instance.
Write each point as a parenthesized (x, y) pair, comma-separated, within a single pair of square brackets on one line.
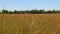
[(29, 23)]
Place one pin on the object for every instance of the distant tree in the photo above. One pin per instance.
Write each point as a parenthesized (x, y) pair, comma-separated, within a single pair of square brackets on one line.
[(57, 11), (5, 11), (15, 12), (49, 11), (27, 12), (30, 12), (10, 12), (53, 11), (33, 11), (22, 12), (41, 11), (18, 12), (0, 12)]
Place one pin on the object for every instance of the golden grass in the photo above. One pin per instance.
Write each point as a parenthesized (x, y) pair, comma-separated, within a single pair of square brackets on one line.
[(30, 23)]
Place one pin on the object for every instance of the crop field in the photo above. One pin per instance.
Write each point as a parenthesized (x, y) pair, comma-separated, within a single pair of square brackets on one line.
[(29, 23)]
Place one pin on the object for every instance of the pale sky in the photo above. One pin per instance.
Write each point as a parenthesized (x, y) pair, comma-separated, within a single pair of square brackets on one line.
[(30, 4)]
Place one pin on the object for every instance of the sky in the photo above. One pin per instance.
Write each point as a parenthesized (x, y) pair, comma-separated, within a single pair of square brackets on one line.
[(29, 4)]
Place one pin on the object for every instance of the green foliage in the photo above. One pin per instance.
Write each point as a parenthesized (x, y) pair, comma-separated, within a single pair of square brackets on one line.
[(15, 11), (30, 12), (10, 12), (4, 11)]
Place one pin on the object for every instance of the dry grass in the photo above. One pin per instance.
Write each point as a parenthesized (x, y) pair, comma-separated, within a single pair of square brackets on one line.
[(30, 24)]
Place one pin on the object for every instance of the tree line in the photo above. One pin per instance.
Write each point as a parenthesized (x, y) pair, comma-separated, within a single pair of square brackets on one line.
[(30, 12)]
